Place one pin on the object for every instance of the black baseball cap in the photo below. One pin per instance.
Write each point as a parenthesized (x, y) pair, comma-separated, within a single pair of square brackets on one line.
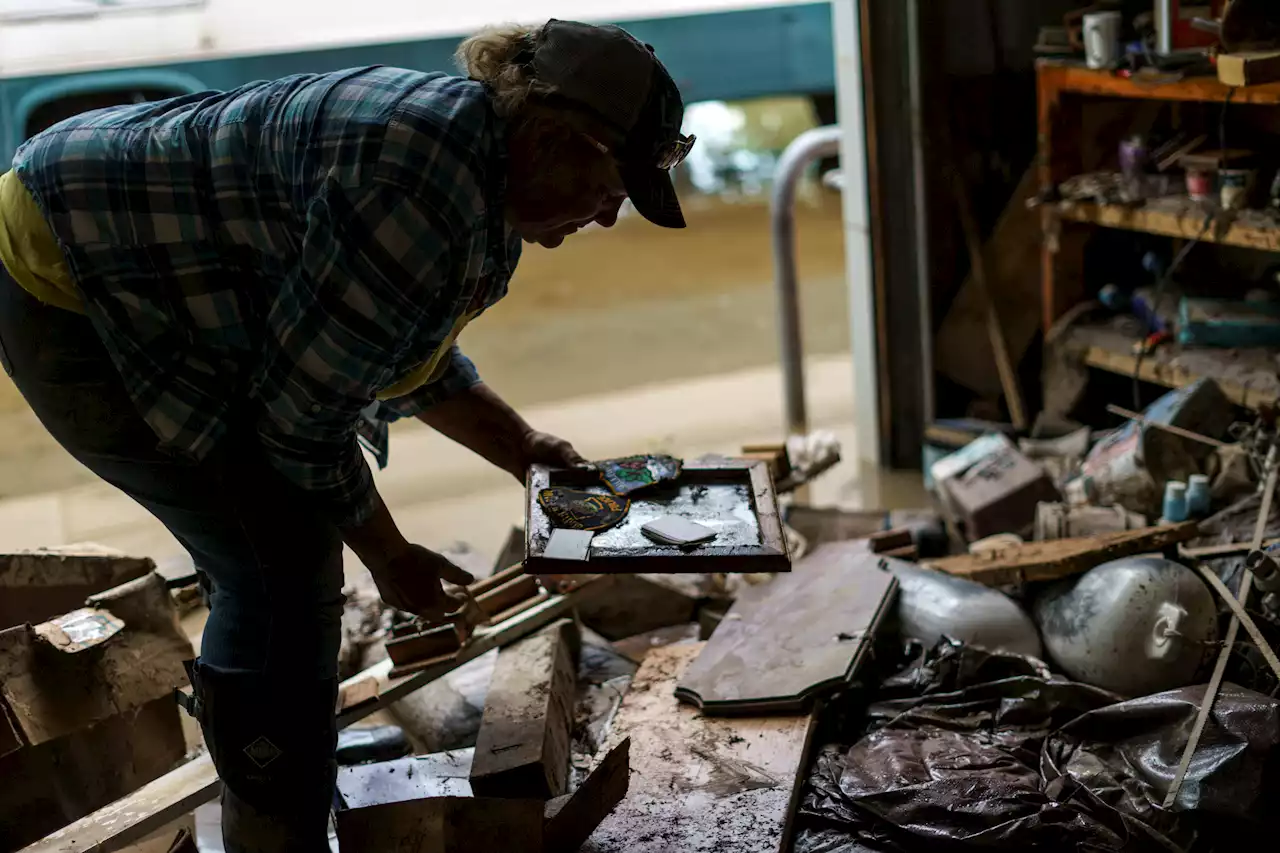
[(620, 80)]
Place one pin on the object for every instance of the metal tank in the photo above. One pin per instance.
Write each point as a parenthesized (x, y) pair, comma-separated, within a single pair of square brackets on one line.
[(932, 604), (1135, 626)]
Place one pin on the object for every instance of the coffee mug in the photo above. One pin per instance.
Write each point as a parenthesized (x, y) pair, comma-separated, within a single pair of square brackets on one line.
[(1102, 39)]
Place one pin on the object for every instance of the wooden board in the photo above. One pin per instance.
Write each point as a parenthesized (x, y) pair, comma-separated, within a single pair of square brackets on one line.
[(736, 498), (442, 825), (962, 349), (700, 783), (51, 693), (523, 746), (1059, 558), (1072, 77), (803, 635), (1181, 218), (36, 585), (121, 823), (619, 606), (1246, 376)]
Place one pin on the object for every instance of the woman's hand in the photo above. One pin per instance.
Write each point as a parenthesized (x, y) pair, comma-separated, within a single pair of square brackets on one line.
[(541, 448), (410, 581)]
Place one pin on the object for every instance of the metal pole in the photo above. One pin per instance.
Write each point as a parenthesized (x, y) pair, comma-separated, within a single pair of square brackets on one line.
[(1164, 27), (808, 147)]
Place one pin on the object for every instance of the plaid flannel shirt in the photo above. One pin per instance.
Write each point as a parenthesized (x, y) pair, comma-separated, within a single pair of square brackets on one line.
[(269, 258)]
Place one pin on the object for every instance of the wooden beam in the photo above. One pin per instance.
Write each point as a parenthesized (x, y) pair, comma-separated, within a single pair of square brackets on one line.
[(1059, 558), (524, 742), (125, 821), (701, 783)]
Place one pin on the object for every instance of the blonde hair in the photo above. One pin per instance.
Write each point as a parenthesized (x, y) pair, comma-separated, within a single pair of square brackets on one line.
[(491, 57)]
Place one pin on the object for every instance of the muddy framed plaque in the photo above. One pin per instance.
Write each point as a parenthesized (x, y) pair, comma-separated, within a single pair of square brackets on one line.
[(734, 498)]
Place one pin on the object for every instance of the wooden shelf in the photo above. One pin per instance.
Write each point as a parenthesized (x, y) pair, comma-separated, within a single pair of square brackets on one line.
[(1181, 217), (1249, 377), (1071, 77)]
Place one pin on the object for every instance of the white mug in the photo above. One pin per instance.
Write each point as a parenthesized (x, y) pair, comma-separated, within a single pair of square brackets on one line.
[(1102, 39)]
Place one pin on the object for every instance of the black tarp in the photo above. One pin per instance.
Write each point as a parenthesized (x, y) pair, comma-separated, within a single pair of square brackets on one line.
[(970, 749)]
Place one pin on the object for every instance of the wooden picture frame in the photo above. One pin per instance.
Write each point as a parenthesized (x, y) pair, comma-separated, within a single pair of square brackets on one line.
[(746, 546)]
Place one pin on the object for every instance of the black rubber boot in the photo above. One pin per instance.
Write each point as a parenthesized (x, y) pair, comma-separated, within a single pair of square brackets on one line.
[(272, 739)]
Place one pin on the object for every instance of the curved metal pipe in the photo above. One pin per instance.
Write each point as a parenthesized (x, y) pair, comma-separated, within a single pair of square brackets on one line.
[(809, 146)]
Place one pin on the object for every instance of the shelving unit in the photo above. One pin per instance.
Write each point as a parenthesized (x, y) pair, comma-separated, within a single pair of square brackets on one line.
[(1248, 376), (1176, 217)]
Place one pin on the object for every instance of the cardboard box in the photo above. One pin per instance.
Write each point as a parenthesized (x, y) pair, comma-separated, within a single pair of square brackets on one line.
[(998, 492), (1249, 69)]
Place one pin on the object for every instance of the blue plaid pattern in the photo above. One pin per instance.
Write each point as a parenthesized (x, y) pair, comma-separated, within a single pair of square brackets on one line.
[(271, 257)]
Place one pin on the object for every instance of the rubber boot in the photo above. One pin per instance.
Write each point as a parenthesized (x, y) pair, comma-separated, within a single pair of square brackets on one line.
[(272, 740)]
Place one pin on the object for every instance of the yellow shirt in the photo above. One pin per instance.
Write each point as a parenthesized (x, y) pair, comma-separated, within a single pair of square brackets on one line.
[(29, 250), (432, 369)]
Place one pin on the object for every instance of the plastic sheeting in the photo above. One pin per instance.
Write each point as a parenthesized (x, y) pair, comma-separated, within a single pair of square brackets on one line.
[(966, 748)]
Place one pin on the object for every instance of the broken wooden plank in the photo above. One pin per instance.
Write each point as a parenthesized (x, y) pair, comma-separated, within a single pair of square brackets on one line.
[(123, 822), (697, 782), (1059, 558), (423, 645), (571, 819), (52, 693), (801, 636), (1229, 549), (523, 746), (36, 585), (506, 596)]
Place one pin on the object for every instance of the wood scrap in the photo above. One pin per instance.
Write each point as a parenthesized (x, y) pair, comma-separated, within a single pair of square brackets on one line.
[(697, 782), (571, 819), (800, 637), (1060, 558), (523, 746), (114, 827), (962, 349), (442, 825), (506, 596), (51, 693), (419, 783), (36, 585), (623, 605), (1229, 642), (1230, 549)]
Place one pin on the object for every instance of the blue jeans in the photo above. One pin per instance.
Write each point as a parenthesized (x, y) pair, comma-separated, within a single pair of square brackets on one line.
[(266, 679)]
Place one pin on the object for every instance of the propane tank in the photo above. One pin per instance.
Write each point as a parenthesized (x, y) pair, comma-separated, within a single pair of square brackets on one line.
[(1134, 626), (933, 604)]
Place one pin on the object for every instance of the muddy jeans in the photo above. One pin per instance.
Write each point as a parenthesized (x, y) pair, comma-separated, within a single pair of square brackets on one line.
[(266, 679)]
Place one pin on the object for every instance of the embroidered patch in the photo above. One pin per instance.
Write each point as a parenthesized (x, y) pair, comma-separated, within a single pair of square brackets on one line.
[(633, 473), (576, 509), (262, 752)]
